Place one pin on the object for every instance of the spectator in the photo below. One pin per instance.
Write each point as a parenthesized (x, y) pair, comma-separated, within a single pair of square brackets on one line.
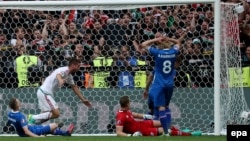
[(246, 57), (72, 30), (97, 32), (38, 40), (95, 15), (161, 26), (125, 58), (103, 60), (245, 34), (146, 28), (4, 44), (18, 38), (22, 64), (53, 26), (126, 78), (114, 34), (87, 39), (210, 17)]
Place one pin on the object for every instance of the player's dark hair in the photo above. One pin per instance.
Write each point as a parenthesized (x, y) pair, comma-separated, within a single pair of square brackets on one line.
[(13, 103), (124, 101), (74, 61)]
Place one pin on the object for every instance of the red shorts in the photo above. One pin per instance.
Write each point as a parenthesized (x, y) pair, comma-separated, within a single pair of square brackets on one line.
[(147, 128)]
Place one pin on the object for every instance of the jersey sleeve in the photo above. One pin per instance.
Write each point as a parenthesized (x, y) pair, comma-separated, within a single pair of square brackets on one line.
[(152, 50), (23, 121), (70, 80), (133, 62), (176, 48), (63, 73), (119, 120)]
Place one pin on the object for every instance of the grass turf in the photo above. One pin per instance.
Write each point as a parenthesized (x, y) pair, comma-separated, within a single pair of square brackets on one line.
[(110, 138)]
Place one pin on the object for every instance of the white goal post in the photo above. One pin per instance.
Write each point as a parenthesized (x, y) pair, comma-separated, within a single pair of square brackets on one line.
[(117, 4)]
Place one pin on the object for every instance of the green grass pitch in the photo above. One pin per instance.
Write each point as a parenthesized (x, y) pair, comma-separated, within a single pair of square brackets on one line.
[(114, 138)]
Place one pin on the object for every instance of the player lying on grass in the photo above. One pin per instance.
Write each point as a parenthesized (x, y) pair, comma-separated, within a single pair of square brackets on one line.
[(126, 125), (18, 120)]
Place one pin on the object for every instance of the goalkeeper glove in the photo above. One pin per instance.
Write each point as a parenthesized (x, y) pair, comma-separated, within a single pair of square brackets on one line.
[(145, 116), (136, 134)]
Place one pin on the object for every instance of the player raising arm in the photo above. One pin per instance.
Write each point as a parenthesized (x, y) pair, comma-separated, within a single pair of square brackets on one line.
[(18, 120), (51, 84), (164, 50)]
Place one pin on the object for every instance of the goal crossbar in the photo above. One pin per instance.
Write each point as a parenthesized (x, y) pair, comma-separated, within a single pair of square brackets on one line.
[(99, 3)]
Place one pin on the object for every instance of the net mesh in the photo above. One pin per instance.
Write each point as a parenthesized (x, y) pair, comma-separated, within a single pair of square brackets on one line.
[(107, 42), (231, 70)]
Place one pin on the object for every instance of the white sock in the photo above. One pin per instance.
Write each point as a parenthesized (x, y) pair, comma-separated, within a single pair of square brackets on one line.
[(42, 116)]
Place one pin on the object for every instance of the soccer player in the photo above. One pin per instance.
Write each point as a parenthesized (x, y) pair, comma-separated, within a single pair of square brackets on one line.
[(126, 125), (18, 120), (51, 84), (148, 83), (164, 50)]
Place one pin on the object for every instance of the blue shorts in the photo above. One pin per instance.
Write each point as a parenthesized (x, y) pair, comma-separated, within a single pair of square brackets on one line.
[(39, 129), (161, 95)]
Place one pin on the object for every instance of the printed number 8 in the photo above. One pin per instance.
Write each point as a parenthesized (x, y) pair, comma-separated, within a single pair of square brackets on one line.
[(167, 66)]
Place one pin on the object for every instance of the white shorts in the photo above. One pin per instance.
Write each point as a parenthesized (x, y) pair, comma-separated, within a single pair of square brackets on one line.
[(46, 102)]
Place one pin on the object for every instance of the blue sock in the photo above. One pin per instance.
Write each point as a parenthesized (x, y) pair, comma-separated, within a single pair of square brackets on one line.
[(156, 113), (168, 114), (163, 120), (59, 132)]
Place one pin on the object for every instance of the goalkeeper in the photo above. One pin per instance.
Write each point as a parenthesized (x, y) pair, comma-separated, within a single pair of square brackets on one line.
[(126, 125)]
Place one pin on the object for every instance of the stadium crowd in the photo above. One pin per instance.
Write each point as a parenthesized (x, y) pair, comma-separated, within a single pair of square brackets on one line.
[(110, 39)]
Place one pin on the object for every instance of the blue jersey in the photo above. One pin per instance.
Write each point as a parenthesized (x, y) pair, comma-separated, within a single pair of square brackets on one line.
[(132, 62), (18, 120), (164, 71)]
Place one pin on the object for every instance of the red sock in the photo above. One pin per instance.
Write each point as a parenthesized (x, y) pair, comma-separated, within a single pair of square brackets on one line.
[(179, 133), (173, 128)]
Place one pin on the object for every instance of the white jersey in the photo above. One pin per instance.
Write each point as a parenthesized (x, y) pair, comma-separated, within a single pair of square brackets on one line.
[(51, 84)]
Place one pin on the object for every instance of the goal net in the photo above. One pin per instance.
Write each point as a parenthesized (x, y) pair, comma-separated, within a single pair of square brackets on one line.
[(232, 95), (106, 38)]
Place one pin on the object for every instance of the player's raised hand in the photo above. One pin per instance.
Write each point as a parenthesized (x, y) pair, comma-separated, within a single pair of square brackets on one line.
[(87, 103), (167, 38), (160, 39), (145, 94)]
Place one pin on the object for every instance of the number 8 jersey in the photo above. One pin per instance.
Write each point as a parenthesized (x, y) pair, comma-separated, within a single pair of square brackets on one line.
[(164, 65)]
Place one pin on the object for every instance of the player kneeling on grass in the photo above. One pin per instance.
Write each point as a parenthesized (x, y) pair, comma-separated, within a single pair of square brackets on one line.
[(126, 125), (19, 121)]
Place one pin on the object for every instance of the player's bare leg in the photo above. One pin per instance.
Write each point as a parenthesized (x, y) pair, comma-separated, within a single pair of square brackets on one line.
[(43, 117), (156, 123)]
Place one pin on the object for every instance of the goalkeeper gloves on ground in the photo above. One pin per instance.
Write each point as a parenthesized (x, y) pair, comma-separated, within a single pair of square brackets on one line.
[(145, 116), (136, 134)]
